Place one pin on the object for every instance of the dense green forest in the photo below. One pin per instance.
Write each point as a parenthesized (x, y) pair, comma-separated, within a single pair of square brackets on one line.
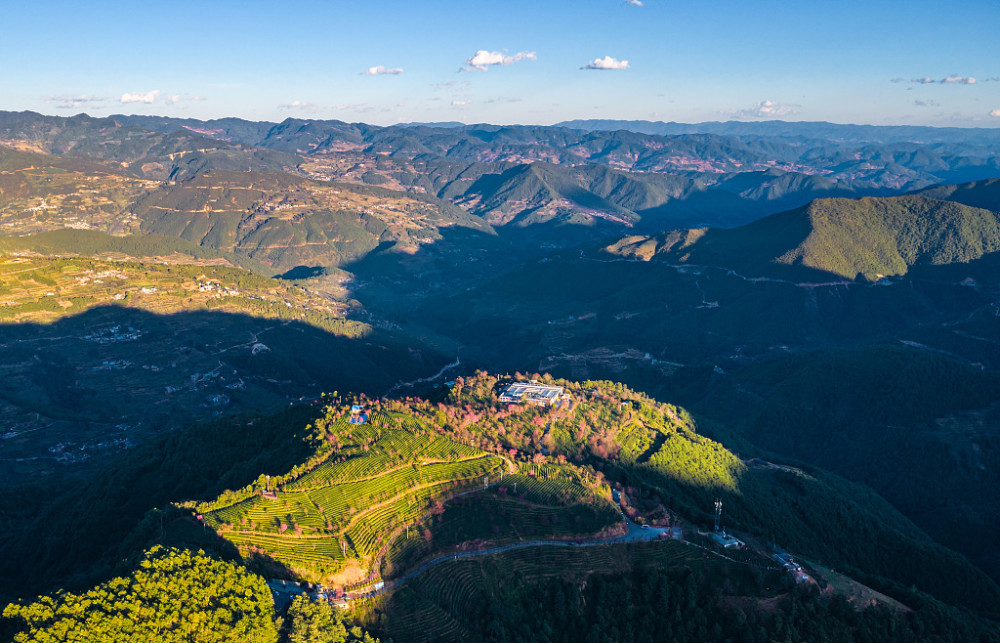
[(180, 595), (648, 591), (175, 595), (309, 621), (685, 605), (668, 468), (930, 418), (658, 449)]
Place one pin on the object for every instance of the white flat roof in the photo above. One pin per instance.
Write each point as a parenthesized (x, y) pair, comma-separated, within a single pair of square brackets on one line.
[(530, 390)]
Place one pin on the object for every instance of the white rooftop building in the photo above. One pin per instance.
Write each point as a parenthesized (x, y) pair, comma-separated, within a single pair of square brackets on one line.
[(531, 393)]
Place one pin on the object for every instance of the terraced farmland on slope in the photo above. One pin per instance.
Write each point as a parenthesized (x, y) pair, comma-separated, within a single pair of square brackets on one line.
[(338, 516), (453, 598), (549, 484), (285, 221), (43, 289), (40, 192), (539, 502)]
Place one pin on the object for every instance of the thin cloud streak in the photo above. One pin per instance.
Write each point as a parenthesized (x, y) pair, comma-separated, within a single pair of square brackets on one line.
[(947, 80), (379, 70), (73, 101), (763, 109)]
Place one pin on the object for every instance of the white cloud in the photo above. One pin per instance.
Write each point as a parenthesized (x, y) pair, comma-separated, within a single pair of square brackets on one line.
[(380, 70), (461, 103), (606, 63), (141, 97), (298, 104), (995, 113), (926, 80), (72, 101), (961, 80), (926, 103), (483, 60), (763, 109), (634, 3), (156, 96)]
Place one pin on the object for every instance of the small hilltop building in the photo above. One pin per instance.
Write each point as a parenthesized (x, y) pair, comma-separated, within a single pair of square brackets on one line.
[(532, 392), (719, 535), (727, 541), (359, 414)]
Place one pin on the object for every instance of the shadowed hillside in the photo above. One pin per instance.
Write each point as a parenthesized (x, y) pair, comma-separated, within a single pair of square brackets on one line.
[(978, 194), (88, 386)]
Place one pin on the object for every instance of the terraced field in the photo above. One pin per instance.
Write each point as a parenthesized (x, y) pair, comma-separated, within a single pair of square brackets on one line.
[(385, 475), (44, 289), (43, 192), (451, 599), (497, 521), (549, 484)]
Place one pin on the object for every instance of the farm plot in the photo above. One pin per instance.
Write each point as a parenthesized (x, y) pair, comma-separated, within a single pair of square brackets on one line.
[(455, 586), (349, 506), (549, 484), (419, 620), (303, 555), (501, 516), (368, 450), (454, 595)]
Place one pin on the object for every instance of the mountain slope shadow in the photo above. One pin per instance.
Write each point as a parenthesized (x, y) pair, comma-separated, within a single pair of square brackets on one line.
[(78, 532), (389, 278), (99, 382)]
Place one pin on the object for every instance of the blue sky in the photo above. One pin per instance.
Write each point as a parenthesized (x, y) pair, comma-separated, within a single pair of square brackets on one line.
[(880, 62)]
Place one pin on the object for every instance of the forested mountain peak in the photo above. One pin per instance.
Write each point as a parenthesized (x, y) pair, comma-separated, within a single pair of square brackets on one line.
[(867, 238)]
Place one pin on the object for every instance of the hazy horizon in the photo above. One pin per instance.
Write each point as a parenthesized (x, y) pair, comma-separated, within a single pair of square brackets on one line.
[(450, 123)]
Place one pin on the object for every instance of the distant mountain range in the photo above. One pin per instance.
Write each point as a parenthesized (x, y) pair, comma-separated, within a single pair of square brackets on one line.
[(819, 130), (645, 175)]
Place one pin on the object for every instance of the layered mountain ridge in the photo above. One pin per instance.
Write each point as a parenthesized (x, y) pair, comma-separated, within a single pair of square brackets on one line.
[(271, 342), (467, 164), (867, 238)]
